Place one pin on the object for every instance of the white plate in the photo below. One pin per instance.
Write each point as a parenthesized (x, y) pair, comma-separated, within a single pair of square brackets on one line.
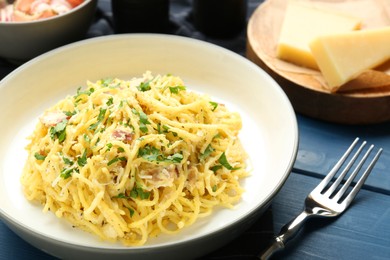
[(269, 135)]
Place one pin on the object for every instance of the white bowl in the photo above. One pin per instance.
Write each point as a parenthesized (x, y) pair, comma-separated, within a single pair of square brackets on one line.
[(269, 135), (21, 41)]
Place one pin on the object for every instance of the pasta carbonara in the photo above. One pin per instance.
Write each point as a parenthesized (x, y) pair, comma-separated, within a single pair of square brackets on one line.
[(129, 160)]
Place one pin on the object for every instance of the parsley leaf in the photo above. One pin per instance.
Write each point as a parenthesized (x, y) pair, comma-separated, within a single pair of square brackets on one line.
[(137, 191), (209, 149), (152, 154), (216, 168), (121, 196), (175, 90), (131, 211), (223, 160), (82, 161), (67, 161), (116, 159), (175, 158), (109, 146), (214, 105), (162, 129), (102, 113), (66, 173), (39, 156), (87, 92), (143, 120), (70, 113), (86, 138), (59, 131), (149, 153), (110, 101), (144, 86), (106, 82)]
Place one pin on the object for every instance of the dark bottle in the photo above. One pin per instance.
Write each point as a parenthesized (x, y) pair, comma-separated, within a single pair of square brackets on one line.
[(220, 18), (150, 16)]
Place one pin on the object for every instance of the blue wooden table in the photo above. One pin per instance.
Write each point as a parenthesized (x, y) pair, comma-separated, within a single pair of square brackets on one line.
[(363, 232)]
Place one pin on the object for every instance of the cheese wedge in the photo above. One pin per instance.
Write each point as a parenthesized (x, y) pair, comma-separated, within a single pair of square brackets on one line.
[(342, 57), (302, 23)]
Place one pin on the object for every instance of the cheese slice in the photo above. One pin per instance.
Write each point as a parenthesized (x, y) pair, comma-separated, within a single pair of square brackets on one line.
[(302, 23), (342, 57)]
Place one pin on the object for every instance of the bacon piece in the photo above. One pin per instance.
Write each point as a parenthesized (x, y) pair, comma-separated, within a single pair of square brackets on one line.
[(159, 177), (192, 177), (122, 135), (52, 118)]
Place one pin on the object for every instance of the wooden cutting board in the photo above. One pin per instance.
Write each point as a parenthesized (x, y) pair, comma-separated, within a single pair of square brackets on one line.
[(305, 87)]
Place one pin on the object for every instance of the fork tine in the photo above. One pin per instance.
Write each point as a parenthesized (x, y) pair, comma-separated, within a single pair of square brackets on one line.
[(320, 187), (339, 179), (363, 178), (343, 189)]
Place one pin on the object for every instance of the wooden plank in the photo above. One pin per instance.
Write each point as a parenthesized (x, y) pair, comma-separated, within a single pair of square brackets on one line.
[(13, 247), (321, 144), (244, 247), (362, 232)]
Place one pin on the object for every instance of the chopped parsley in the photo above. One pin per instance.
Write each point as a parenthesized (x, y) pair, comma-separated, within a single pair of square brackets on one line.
[(106, 82), (122, 103), (132, 211), (175, 158), (86, 138), (59, 131), (224, 162), (209, 149), (39, 157), (214, 105), (82, 161), (136, 192), (109, 146), (70, 113), (176, 89), (143, 120), (110, 101), (121, 196), (144, 86), (116, 159), (66, 173), (149, 153), (67, 161), (152, 154), (216, 168), (162, 129), (87, 92), (102, 113)]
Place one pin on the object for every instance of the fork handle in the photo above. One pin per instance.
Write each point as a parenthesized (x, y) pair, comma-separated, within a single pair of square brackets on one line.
[(287, 233)]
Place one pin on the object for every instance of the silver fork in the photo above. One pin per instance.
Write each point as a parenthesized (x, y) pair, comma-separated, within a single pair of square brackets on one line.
[(329, 198)]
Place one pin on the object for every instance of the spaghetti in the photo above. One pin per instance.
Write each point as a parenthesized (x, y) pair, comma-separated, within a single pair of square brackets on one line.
[(128, 160)]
